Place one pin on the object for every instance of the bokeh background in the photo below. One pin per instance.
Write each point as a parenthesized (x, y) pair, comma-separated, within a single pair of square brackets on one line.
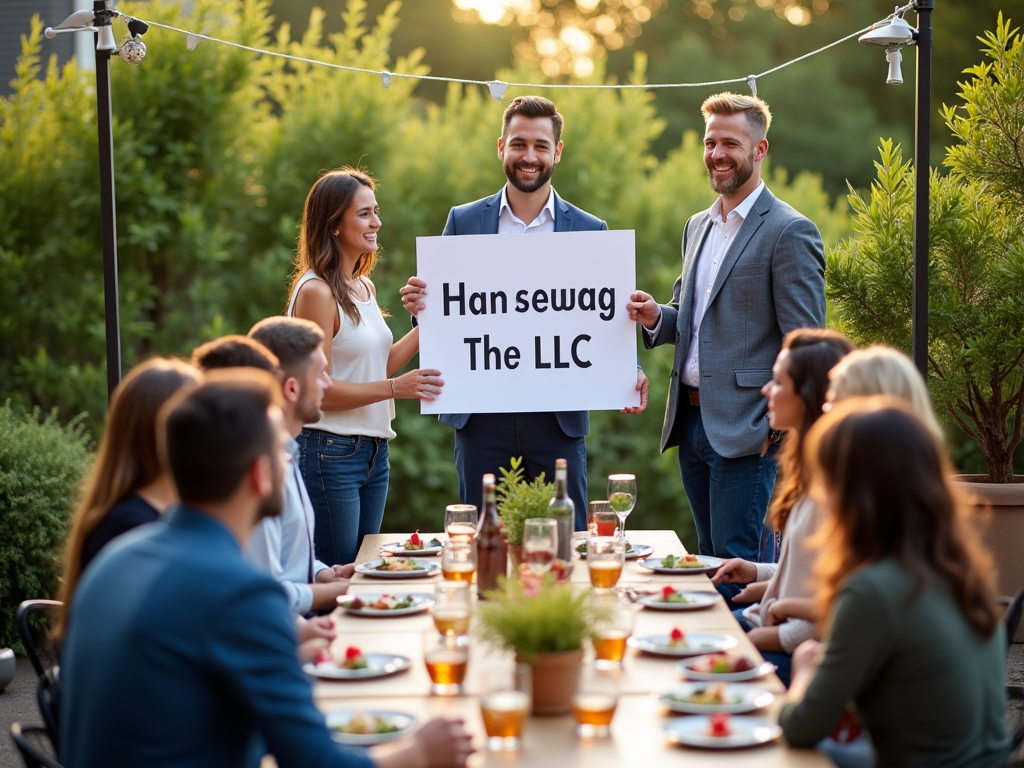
[(216, 148)]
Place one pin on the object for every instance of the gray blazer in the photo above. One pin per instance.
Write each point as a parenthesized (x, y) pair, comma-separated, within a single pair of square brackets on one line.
[(481, 218), (772, 280)]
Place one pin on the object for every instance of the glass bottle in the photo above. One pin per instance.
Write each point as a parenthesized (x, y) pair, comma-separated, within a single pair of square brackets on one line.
[(563, 510), (491, 551)]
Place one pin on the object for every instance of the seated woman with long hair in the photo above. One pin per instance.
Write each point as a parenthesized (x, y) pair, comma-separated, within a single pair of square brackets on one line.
[(795, 395), (913, 636), (127, 487)]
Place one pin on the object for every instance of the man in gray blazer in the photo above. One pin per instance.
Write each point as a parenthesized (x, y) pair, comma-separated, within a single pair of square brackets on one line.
[(753, 270), (529, 147)]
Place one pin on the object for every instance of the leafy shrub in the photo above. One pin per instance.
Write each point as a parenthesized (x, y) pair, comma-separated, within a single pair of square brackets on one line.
[(519, 501), (41, 465)]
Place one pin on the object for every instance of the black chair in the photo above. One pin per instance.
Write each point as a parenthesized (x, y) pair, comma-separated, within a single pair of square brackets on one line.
[(1014, 693), (48, 698), (33, 743), (34, 620)]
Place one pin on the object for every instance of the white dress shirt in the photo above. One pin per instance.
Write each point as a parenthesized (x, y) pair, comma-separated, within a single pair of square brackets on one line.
[(716, 245), (510, 224), (283, 546)]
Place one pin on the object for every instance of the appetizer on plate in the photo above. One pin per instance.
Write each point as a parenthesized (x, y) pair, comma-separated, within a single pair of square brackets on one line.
[(719, 725), (722, 664), (383, 603), (354, 658), (415, 542), (713, 694), (394, 564), (365, 724), (669, 595), (582, 547), (676, 638), (682, 561)]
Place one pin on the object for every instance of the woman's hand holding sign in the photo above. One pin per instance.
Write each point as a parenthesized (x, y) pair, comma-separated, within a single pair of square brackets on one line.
[(412, 295)]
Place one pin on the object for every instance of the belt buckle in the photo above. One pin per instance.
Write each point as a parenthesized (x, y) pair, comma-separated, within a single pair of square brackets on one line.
[(695, 397)]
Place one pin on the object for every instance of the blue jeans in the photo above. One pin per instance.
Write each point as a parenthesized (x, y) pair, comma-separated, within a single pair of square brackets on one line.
[(728, 497), (783, 661), (490, 440), (347, 480)]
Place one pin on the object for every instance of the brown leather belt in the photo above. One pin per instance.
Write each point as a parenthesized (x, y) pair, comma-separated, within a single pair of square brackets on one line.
[(694, 396)]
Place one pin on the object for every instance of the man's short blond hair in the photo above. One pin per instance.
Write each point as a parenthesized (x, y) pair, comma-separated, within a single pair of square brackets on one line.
[(757, 111)]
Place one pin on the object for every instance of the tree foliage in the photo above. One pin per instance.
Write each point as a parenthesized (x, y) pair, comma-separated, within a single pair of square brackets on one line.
[(215, 150), (976, 303)]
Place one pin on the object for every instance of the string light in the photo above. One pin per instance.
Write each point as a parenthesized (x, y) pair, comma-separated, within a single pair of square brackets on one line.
[(497, 88)]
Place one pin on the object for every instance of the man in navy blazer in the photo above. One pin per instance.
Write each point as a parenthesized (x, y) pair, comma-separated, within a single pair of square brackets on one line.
[(529, 147), (753, 270), (180, 653)]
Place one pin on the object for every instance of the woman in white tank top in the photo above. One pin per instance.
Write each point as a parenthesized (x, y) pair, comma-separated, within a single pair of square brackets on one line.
[(344, 457)]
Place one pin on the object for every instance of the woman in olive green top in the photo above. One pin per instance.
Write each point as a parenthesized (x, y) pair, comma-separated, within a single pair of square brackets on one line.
[(914, 638)]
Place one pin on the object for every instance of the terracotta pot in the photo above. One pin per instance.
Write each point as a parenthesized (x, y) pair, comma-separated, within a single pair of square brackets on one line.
[(554, 681), (515, 557), (1004, 534)]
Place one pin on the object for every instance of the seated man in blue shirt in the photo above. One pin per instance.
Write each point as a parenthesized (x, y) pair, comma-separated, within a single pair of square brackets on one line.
[(180, 653), (283, 546)]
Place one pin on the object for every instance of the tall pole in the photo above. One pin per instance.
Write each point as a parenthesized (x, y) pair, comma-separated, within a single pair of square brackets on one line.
[(104, 125), (922, 168)]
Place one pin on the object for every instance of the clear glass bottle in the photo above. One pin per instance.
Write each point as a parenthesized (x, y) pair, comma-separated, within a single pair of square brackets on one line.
[(491, 551), (562, 509)]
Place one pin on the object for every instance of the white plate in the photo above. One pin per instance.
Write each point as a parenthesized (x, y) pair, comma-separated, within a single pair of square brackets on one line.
[(686, 669), (429, 569), (403, 721), (708, 563), (738, 698), (697, 601), (698, 643), (396, 548), (638, 550), (746, 732), (381, 665), (419, 603)]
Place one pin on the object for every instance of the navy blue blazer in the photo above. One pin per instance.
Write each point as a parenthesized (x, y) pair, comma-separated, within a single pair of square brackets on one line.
[(180, 653), (481, 218)]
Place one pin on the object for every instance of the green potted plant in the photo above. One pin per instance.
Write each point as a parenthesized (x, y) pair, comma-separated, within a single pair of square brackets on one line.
[(519, 501), (976, 279), (544, 624)]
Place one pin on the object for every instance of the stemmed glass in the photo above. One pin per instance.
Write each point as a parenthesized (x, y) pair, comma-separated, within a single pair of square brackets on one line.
[(460, 522), (622, 497), (540, 543)]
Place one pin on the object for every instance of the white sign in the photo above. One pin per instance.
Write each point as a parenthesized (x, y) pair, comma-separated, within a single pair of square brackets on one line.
[(519, 324)]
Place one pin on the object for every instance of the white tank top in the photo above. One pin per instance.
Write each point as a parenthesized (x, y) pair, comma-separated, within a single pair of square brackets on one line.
[(359, 354)]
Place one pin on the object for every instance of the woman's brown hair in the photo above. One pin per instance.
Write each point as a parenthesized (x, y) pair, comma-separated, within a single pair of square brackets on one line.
[(127, 458), (812, 354), (882, 475), (318, 247)]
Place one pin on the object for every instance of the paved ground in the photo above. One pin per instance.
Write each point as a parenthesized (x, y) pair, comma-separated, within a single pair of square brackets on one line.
[(18, 701)]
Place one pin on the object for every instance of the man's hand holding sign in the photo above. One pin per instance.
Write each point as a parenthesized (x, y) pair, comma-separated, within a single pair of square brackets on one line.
[(528, 331)]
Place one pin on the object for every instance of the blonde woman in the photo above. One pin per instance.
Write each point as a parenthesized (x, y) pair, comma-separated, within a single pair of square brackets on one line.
[(344, 456)]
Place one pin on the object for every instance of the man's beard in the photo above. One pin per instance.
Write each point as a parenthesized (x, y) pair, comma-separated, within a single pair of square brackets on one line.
[(740, 176), (272, 505), (543, 177), (310, 412)]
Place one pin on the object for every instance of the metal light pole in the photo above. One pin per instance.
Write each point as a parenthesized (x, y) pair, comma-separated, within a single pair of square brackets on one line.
[(99, 21), (893, 34), (922, 170)]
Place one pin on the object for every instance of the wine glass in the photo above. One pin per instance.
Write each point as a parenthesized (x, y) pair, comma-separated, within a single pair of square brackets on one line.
[(622, 497), (540, 543), (460, 522)]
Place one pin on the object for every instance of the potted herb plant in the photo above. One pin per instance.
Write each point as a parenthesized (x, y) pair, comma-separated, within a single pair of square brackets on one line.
[(544, 624), (976, 276), (519, 501)]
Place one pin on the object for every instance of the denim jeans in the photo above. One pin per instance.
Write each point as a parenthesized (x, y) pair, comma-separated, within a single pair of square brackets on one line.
[(490, 440), (347, 480), (728, 497), (783, 661)]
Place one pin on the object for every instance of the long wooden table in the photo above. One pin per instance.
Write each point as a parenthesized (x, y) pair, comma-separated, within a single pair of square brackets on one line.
[(637, 737)]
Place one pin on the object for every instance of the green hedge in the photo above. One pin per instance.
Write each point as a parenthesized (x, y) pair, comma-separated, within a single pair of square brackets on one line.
[(41, 466)]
